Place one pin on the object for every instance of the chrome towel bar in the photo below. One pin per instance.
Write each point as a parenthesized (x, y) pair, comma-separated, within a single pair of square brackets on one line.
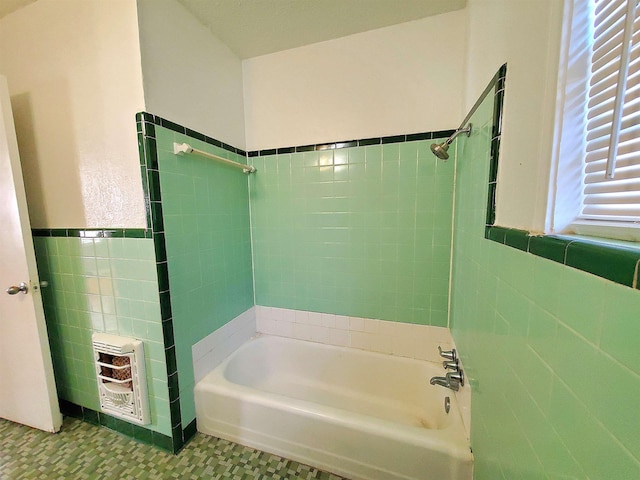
[(182, 148)]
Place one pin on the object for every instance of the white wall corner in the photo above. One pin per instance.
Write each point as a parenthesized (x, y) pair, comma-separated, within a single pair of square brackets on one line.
[(190, 76)]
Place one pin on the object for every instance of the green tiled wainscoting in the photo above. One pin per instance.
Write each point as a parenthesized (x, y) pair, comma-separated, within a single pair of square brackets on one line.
[(199, 214), (117, 281), (102, 284), (550, 351), (206, 221), (355, 228)]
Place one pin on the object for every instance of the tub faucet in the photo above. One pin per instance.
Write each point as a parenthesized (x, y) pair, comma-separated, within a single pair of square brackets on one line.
[(445, 382), (452, 380), (439, 381)]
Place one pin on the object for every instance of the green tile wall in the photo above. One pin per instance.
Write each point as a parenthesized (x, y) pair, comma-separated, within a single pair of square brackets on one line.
[(551, 352), (102, 285), (362, 231), (205, 211)]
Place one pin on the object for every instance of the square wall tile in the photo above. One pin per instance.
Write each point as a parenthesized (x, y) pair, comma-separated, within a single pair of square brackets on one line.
[(93, 287), (377, 212)]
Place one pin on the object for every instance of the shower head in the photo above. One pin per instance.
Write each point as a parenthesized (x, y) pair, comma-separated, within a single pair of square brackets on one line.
[(440, 149)]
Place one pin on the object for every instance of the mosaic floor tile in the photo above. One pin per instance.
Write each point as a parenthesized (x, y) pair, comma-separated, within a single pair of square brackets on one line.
[(84, 451)]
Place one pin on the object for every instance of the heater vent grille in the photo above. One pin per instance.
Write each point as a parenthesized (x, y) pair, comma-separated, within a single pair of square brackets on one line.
[(122, 385)]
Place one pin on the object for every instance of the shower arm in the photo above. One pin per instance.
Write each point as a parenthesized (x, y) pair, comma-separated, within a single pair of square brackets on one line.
[(440, 149), (458, 132)]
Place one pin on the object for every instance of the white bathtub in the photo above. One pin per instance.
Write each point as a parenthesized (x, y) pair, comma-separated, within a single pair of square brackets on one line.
[(358, 414)]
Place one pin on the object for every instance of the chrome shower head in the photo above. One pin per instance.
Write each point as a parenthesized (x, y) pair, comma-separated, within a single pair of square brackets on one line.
[(440, 149)]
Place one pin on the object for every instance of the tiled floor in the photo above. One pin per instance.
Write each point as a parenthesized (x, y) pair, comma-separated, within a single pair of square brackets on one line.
[(83, 451)]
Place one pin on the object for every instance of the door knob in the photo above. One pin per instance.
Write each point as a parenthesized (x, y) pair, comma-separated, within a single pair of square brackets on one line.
[(13, 289)]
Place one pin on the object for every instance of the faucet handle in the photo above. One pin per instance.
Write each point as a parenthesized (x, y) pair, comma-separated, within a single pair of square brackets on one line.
[(451, 364), (456, 377), (448, 354)]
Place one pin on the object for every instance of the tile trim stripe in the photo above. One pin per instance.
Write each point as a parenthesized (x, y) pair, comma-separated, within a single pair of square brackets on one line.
[(152, 119), (147, 149), (496, 83), (92, 232), (411, 137), (141, 434), (616, 263)]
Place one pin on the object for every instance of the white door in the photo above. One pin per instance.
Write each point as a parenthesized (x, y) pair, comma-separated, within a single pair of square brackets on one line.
[(27, 386)]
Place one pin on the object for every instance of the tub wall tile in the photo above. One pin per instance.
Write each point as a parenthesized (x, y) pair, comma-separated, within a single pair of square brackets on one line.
[(402, 339), (534, 335), (209, 352), (204, 234), (362, 231)]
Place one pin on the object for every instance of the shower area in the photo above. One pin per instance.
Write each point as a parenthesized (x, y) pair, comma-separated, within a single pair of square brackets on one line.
[(337, 247), (346, 244), (328, 236)]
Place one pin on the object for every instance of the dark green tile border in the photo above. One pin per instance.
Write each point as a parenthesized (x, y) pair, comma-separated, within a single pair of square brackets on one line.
[(146, 128), (614, 262), (549, 247), (617, 264), (131, 430), (354, 143), (92, 232), (146, 125)]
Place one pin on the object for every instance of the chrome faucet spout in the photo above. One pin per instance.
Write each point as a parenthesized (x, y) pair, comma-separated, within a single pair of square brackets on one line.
[(443, 381), (446, 382)]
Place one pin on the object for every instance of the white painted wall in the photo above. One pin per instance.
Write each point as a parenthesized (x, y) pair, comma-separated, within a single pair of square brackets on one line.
[(75, 81), (406, 78), (190, 77), (526, 34)]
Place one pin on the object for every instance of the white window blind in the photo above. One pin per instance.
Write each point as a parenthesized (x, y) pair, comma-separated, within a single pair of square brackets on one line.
[(612, 169)]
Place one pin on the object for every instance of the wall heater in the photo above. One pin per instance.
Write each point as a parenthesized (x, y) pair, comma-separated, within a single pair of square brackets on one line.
[(122, 384)]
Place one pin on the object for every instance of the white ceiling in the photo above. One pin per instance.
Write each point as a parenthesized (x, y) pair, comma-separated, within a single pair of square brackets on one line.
[(256, 27)]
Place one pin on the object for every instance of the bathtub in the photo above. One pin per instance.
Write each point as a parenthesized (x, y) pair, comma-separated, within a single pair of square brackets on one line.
[(358, 414)]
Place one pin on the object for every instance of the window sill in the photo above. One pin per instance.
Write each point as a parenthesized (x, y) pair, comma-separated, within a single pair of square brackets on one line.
[(606, 230), (618, 261), (615, 260)]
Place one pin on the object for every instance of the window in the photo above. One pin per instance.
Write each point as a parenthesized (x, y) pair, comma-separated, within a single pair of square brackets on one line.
[(598, 171)]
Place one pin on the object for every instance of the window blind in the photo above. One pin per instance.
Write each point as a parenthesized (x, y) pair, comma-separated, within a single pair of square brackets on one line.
[(613, 115)]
